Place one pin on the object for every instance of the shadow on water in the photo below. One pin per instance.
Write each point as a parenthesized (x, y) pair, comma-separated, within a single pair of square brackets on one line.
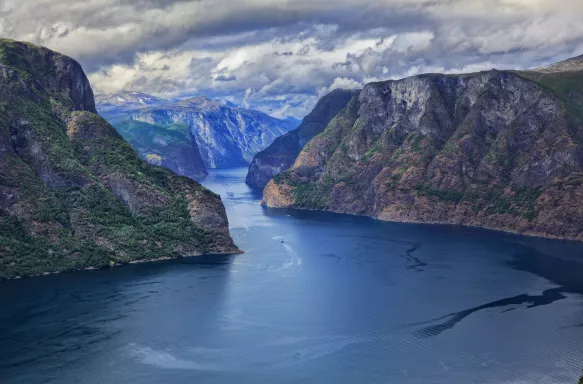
[(547, 297), (256, 193), (557, 261), (565, 270)]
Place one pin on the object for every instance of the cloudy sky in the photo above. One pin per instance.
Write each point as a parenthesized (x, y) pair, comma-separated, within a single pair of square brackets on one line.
[(281, 55)]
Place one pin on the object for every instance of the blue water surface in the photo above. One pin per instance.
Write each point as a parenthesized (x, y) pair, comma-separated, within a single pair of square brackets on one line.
[(316, 298)]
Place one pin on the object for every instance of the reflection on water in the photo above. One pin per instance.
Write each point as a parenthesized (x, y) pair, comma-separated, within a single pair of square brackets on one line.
[(316, 298)]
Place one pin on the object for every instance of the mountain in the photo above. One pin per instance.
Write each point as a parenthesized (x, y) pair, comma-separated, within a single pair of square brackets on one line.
[(126, 99), (73, 193), (292, 121), (226, 136), (574, 64), (281, 154), (117, 106), (171, 146), (495, 149)]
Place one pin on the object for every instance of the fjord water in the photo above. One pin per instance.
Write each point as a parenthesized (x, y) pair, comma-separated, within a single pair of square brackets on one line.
[(316, 298)]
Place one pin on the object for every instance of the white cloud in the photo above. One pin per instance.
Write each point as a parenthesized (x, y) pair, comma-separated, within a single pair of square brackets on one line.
[(280, 55), (340, 83)]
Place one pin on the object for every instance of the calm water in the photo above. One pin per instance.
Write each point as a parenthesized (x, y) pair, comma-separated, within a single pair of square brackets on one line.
[(341, 300)]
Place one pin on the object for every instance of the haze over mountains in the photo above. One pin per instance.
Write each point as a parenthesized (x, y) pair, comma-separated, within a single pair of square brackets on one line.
[(191, 135)]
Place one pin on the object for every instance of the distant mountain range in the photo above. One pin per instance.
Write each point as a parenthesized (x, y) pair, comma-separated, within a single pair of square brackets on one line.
[(495, 149), (191, 135)]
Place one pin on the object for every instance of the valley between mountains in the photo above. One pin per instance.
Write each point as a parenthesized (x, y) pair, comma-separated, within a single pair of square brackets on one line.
[(495, 149), (191, 135)]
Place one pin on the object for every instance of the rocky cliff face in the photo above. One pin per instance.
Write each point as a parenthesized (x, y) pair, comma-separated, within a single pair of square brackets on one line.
[(73, 193), (226, 136), (281, 155), (495, 149)]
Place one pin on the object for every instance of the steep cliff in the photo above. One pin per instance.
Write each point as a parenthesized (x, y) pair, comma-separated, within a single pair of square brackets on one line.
[(73, 193), (496, 149), (281, 154), (226, 136)]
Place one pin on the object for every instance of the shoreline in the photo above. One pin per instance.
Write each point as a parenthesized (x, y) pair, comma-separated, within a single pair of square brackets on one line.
[(118, 265), (517, 233)]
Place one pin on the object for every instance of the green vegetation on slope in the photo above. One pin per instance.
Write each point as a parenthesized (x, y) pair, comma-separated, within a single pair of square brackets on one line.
[(73, 192), (171, 146), (146, 135), (567, 86)]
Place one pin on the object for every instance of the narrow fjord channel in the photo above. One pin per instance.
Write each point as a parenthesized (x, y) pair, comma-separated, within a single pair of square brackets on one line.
[(316, 298)]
